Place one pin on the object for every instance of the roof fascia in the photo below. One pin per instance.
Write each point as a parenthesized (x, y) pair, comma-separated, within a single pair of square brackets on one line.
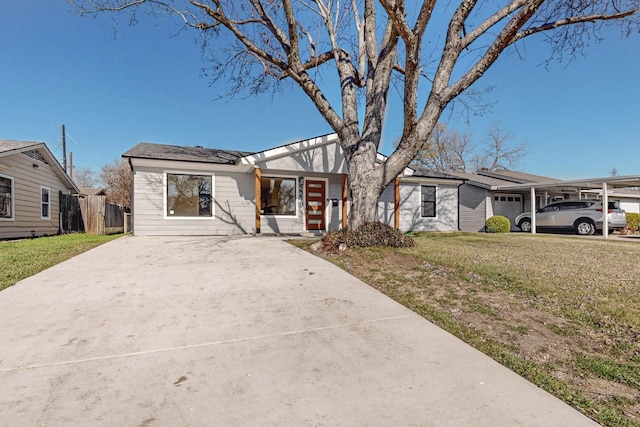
[(622, 181), (51, 159), (59, 169), (188, 165), (491, 174), (432, 180)]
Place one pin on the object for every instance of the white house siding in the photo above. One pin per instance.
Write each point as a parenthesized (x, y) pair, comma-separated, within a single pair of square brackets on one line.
[(473, 207), (327, 158), (386, 206), (631, 206), (411, 219), (334, 192), (234, 208), (27, 183)]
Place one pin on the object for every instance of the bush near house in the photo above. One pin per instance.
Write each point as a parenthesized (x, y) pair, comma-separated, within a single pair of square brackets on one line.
[(633, 219), (367, 235), (498, 224)]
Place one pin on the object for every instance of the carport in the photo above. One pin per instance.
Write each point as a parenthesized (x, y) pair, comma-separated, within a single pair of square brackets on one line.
[(604, 187)]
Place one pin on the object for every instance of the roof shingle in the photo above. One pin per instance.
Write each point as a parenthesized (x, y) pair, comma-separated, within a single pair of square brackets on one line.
[(145, 150)]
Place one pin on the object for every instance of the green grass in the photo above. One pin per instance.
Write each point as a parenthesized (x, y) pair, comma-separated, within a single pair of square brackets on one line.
[(626, 373), (24, 258), (563, 312)]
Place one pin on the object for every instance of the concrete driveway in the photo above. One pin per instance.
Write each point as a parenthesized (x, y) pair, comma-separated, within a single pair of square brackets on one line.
[(179, 331)]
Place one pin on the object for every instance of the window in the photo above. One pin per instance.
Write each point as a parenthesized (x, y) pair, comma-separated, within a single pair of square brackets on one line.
[(189, 195), (278, 196), (45, 203), (6, 197), (428, 198)]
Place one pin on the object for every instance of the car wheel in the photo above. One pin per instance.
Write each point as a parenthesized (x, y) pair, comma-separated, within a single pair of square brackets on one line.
[(525, 225), (585, 228)]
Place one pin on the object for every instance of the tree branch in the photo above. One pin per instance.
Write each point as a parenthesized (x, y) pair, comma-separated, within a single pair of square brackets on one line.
[(573, 20)]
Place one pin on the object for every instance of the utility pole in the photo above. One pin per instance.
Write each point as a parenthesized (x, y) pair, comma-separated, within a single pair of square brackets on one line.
[(71, 164), (64, 149)]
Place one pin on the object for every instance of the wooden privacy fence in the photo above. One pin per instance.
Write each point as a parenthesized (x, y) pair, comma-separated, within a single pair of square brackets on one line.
[(91, 215)]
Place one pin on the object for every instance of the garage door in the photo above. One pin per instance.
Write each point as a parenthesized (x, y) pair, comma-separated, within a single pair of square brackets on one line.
[(509, 205)]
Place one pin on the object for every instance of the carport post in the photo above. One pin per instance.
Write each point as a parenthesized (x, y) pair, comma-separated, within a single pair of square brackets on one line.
[(533, 210), (605, 211)]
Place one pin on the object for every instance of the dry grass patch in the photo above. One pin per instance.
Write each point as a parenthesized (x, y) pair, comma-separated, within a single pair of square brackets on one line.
[(563, 312)]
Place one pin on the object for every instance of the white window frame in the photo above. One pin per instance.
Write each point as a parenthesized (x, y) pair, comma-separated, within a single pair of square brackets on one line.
[(48, 203), (296, 192), (435, 216), (13, 199), (189, 218)]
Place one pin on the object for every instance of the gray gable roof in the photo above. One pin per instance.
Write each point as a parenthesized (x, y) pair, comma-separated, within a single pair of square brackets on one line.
[(6, 145), (480, 180), (434, 174), (515, 176), (145, 150), (37, 151)]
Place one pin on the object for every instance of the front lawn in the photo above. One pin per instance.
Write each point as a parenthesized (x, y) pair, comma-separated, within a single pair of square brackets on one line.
[(561, 311), (23, 258)]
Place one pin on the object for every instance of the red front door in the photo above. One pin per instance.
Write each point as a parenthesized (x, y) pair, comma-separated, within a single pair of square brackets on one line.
[(315, 204)]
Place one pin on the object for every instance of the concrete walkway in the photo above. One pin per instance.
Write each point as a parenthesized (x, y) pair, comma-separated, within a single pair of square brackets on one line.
[(179, 331)]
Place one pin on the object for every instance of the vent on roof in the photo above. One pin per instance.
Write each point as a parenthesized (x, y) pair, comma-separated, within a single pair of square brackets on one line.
[(35, 155)]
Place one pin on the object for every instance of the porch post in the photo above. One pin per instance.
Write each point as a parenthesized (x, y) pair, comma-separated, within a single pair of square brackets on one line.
[(345, 192), (258, 198), (533, 210), (396, 203), (605, 211)]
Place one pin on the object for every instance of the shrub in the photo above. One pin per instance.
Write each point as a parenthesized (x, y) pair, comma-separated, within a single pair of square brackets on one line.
[(367, 235), (633, 219), (498, 224)]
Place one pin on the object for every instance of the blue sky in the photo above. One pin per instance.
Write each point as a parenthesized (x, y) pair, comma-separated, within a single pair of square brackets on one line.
[(114, 85)]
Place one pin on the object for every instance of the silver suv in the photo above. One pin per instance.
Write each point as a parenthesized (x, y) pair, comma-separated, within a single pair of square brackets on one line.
[(583, 216)]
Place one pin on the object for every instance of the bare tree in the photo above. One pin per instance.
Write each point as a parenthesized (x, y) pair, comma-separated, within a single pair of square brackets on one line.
[(368, 43), (116, 178), (447, 150), (499, 153), (84, 177), (613, 172)]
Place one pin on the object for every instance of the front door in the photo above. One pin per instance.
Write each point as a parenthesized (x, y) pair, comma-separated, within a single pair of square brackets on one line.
[(315, 204)]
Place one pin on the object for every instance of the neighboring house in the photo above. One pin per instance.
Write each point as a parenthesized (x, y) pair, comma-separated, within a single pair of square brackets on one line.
[(31, 181), (481, 198), (508, 193), (298, 187)]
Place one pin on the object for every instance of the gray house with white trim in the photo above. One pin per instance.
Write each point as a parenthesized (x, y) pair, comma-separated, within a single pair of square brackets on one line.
[(298, 187)]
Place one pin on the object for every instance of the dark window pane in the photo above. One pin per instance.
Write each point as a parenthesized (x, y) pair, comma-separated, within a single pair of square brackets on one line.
[(189, 195), (5, 198), (428, 196)]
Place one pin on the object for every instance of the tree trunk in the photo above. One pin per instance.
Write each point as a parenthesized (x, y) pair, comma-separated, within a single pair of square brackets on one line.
[(365, 183)]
